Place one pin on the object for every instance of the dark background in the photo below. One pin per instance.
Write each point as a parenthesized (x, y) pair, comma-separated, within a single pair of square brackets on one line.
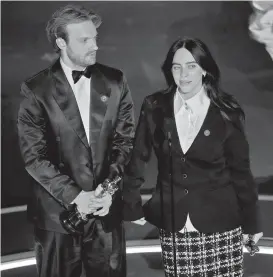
[(135, 37)]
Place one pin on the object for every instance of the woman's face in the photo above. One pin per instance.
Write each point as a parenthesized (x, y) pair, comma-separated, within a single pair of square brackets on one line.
[(187, 73)]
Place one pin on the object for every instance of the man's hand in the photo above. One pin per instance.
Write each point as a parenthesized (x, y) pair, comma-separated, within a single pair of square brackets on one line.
[(84, 202), (140, 221), (104, 203)]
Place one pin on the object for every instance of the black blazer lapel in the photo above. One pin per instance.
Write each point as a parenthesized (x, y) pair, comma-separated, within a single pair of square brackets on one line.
[(208, 127), (168, 111), (66, 100), (100, 94), (169, 124)]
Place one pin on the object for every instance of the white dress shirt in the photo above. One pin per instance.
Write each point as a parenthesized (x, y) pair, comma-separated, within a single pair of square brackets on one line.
[(82, 94), (189, 117), (81, 90)]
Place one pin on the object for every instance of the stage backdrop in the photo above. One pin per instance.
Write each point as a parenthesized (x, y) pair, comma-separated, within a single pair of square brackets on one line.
[(135, 37)]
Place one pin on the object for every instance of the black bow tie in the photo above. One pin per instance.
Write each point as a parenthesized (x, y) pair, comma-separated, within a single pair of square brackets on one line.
[(76, 74)]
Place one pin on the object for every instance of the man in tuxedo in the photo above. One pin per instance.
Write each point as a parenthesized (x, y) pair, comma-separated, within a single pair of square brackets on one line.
[(76, 125)]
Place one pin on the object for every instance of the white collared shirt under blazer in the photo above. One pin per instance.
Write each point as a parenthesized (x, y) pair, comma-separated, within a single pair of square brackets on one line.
[(81, 90), (189, 117), (82, 94)]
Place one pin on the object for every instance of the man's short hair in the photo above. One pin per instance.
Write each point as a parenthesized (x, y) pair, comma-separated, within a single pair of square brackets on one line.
[(56, 26)]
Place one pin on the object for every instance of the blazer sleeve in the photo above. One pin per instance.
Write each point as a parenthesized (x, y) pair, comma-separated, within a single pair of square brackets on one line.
[(237, 157), (31, 124), (122, 142), (135, 172)]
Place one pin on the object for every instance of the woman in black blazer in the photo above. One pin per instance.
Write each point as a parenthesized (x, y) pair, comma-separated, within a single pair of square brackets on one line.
[(205, 203)]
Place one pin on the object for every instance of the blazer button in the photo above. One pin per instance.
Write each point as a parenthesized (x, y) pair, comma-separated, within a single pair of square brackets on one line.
[(185, 176), (183, 159), (186, 191), (88, 164)]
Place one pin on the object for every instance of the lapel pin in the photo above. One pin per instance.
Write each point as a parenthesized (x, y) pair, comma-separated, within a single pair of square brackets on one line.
[(103, 98), (207, 133)]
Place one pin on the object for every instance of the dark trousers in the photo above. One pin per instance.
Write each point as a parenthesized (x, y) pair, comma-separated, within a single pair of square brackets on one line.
[(100, 254)]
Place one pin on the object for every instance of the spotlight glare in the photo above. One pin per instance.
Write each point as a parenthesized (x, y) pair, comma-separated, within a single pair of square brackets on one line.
[(143, 249), (129, 250), (18, 263)]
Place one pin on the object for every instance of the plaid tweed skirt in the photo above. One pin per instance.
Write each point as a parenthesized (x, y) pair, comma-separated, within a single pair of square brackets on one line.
[(203, 255)]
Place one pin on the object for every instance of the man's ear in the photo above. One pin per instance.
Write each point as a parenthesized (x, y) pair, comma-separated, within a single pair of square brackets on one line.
[(61, 43), (204, 74)]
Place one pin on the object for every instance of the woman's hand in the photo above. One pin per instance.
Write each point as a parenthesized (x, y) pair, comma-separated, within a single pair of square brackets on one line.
[(140, 221), (250, 243), (256, 237)]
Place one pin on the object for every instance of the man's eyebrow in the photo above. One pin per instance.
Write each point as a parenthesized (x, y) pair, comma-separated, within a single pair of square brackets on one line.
[(88, 37)]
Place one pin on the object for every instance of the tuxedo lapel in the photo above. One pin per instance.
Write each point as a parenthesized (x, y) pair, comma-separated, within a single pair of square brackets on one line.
[(100, 94), (66, 100)]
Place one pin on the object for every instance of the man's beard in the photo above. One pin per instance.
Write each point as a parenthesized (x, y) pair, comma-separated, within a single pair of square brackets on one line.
[(80, 60)]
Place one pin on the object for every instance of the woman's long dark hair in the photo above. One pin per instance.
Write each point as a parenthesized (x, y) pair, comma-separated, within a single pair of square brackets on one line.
[(224, 101)]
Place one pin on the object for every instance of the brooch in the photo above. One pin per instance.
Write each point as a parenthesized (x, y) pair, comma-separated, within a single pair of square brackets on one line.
[(104, 98)]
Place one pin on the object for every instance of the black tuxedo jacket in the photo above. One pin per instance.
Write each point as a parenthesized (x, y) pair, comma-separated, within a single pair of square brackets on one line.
[(212, 181), (54, 144)]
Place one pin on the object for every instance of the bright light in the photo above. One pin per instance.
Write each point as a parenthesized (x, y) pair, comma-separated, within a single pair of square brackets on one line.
[(143, 249), (18, 263), (157, 249), (264, 250), (129, 250)]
